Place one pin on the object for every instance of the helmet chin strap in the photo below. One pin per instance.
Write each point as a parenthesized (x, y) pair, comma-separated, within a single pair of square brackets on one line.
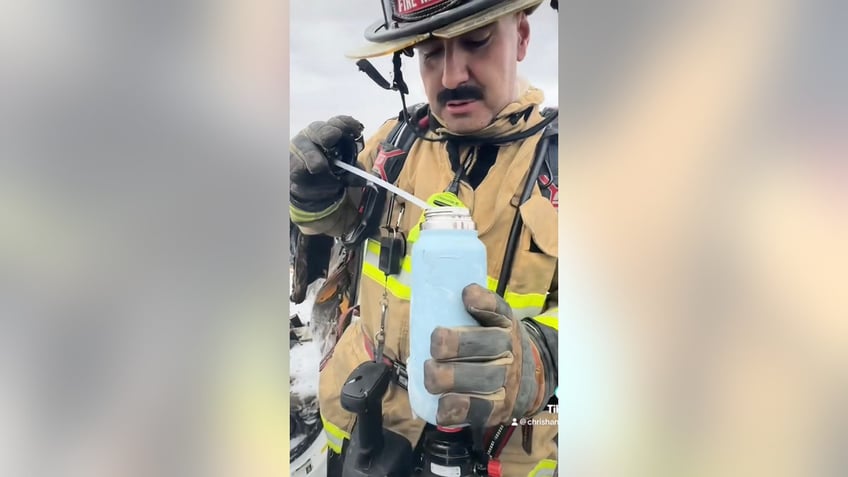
[(397, 84)]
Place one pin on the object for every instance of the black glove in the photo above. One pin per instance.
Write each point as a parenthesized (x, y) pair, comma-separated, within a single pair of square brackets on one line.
[(314, 184)]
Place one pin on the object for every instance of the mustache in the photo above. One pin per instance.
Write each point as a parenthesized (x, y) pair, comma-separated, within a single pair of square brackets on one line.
[(463, 93)]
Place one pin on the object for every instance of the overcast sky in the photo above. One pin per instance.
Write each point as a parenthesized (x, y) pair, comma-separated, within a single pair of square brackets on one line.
[(325, 83)]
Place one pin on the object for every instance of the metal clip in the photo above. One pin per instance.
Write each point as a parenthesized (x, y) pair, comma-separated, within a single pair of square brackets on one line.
[(380, 337)]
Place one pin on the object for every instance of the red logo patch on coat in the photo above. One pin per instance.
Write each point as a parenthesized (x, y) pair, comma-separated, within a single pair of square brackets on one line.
[(548, 185), (380, 161)]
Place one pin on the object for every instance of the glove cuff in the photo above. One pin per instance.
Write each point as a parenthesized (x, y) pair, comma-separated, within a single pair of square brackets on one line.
[(542, 355), (310, 207), (303, 211)]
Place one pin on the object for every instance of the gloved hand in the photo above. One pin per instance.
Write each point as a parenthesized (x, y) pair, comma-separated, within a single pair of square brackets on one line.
[(489, 374), (314, 186)]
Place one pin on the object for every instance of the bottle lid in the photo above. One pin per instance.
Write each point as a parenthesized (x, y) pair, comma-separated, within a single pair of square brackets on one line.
[(448, 218)]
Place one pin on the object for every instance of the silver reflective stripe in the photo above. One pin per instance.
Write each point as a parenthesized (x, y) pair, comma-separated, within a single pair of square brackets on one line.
[(526, 312), (335, 436), (542, 473), (334, 442)]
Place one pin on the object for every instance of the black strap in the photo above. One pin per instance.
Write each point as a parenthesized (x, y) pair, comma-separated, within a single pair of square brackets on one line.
[(405, 135), (401, 138), (543, 157)]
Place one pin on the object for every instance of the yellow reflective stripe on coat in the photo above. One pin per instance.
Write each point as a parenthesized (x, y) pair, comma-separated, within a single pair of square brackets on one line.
[(373, 248), (550, 318), (522, 304), (545, 468), (398, 285), (335, 435)]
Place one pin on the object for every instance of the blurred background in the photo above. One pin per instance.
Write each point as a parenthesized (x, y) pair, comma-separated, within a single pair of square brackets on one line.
[(143, 238), (704, 217)]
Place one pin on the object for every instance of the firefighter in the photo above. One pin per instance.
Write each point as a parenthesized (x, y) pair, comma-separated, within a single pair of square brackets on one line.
[(476, 139)]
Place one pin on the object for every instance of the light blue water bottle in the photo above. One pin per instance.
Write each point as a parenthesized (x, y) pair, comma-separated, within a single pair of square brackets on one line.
[(446, 258)]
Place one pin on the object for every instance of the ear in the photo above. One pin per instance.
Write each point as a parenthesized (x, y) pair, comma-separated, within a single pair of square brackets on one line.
[(523, 26)]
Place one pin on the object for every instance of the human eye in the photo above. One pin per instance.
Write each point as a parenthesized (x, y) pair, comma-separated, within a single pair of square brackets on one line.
[(429, 53), (475, 43)]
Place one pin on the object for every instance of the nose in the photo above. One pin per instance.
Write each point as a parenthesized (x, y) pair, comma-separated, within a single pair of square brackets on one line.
[(455, 70)]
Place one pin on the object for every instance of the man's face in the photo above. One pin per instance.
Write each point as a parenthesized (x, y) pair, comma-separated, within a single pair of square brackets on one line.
[(469, 79)]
